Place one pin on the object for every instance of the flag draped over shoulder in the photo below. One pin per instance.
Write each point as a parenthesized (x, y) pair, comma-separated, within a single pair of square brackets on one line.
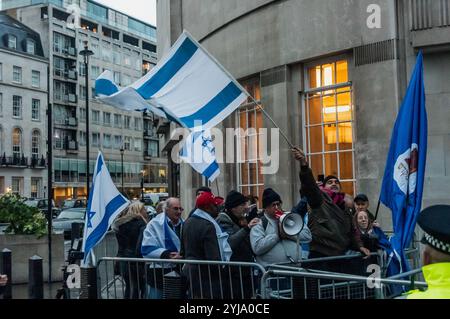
[(199, 152), (402, 185), (188, 85), (104, 205)]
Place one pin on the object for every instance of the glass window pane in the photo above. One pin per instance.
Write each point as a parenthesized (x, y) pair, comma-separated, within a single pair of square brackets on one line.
[(348, 188), (314, 110), (331, 164), (315, 139), (316, 164), (341, 71), (346, 165), (244, 174), (344, 108), (328, 74), (315, 78), (345, 136), (329, 108), (330, 137)]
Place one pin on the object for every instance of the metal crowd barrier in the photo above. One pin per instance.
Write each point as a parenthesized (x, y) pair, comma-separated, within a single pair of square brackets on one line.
[(310, 284), (137, 278)]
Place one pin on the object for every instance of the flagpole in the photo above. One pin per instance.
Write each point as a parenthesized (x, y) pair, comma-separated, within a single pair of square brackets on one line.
[(273, 122), (217, 186), (378, 208), (238, 85)]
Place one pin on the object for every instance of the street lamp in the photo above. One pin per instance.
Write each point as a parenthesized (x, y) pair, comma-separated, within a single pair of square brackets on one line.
[(86, 53), (121, 158), (142, 186)]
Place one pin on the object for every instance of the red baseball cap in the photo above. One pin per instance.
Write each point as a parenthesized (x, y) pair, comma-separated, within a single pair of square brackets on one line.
[(207, 198)]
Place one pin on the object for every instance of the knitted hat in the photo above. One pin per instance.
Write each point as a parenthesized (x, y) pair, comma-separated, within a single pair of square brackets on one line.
[(269, 197), (234, 199), (330, 177)]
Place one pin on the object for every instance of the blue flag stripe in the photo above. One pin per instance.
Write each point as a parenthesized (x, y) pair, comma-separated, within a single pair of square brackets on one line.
[(101, 229), (230, 93), (105, 87), (211, 169), (165, 74), (169, 245)]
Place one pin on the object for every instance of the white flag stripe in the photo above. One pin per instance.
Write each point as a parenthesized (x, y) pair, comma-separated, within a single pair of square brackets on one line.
[(198, 70)]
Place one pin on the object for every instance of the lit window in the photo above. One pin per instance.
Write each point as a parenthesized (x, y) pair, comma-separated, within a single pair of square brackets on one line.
[(17, 143), (329, 124)]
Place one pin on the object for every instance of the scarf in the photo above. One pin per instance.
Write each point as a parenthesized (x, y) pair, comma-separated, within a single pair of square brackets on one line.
[(159, 237), (222, 237), (337, 198)]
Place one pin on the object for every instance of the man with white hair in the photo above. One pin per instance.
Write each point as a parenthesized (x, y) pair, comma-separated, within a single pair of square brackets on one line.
[(162, 241)]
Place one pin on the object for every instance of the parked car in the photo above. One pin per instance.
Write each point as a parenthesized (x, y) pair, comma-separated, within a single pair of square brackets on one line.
[(41, 204), (74, 203), (63, 223)]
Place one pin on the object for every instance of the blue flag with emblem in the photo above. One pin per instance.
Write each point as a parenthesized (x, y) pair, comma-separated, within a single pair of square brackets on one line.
[(402, 186), (104, 205)]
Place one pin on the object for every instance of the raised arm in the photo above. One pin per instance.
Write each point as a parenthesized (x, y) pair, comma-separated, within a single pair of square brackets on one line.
[(308, 184)]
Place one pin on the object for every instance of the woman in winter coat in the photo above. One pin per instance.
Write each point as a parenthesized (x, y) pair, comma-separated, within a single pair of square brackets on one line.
[(128, 228)]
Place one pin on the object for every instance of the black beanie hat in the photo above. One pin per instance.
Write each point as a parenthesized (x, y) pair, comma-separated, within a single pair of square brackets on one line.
[(330, 177), (234, 199), (269, 197)]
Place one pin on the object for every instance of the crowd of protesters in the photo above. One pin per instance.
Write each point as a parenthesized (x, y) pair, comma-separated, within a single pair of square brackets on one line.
[(234, 229)]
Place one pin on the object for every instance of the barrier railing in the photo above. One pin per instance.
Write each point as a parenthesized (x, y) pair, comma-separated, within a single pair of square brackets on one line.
[(136, 278), (311, 284)]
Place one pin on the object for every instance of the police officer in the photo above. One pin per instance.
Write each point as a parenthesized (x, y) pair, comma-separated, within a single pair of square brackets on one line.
[(435, 222)]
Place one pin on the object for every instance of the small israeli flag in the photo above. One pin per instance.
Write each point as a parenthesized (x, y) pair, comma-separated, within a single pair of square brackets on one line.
[(104, 205), (199, 152)]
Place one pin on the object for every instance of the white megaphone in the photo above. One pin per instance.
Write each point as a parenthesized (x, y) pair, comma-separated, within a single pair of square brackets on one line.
[(291, 223)]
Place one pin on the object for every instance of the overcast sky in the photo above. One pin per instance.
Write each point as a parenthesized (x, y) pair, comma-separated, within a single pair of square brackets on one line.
[(144, 10)]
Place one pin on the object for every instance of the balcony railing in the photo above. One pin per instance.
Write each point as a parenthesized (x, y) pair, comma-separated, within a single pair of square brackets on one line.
[(70, 145), (14, 161), (66, 74)]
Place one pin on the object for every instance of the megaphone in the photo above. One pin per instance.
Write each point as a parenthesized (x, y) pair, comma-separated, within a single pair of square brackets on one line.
[(291, 223)]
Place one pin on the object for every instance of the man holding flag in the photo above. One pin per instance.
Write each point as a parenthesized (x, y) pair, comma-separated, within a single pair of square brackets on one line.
[(402, 186)]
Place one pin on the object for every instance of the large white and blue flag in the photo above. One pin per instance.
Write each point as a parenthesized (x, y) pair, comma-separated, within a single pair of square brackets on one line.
[(104, 205), (402, 186), (188, 85), (199, 151)]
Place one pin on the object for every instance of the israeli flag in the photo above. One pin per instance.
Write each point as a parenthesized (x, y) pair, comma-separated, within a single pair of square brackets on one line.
[(105, 203), (188, 85), (200, 153), (127, 98)]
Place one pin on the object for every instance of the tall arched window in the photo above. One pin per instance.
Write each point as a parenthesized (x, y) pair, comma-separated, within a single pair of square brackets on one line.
[(35, 143), (17, 142)]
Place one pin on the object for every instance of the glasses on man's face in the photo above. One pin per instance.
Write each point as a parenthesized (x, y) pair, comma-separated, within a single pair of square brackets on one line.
[(276, 204), (178, 208)]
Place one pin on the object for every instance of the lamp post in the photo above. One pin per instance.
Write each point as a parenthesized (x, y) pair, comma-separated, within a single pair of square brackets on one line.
[(86, 53), (122, 150)]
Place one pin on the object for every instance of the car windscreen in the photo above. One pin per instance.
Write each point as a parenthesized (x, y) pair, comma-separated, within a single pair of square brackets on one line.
[(70, 214), (68, 203), (31, 203)]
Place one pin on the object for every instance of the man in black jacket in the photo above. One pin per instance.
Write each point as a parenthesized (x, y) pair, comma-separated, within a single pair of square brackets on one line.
[(234, 223), (329, 220), (202, 239)]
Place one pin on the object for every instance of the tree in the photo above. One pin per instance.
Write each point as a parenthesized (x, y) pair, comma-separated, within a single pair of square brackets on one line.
[(22, 219)]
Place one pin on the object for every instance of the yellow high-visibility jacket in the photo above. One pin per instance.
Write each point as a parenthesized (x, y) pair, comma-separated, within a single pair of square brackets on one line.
[(437, 277)]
